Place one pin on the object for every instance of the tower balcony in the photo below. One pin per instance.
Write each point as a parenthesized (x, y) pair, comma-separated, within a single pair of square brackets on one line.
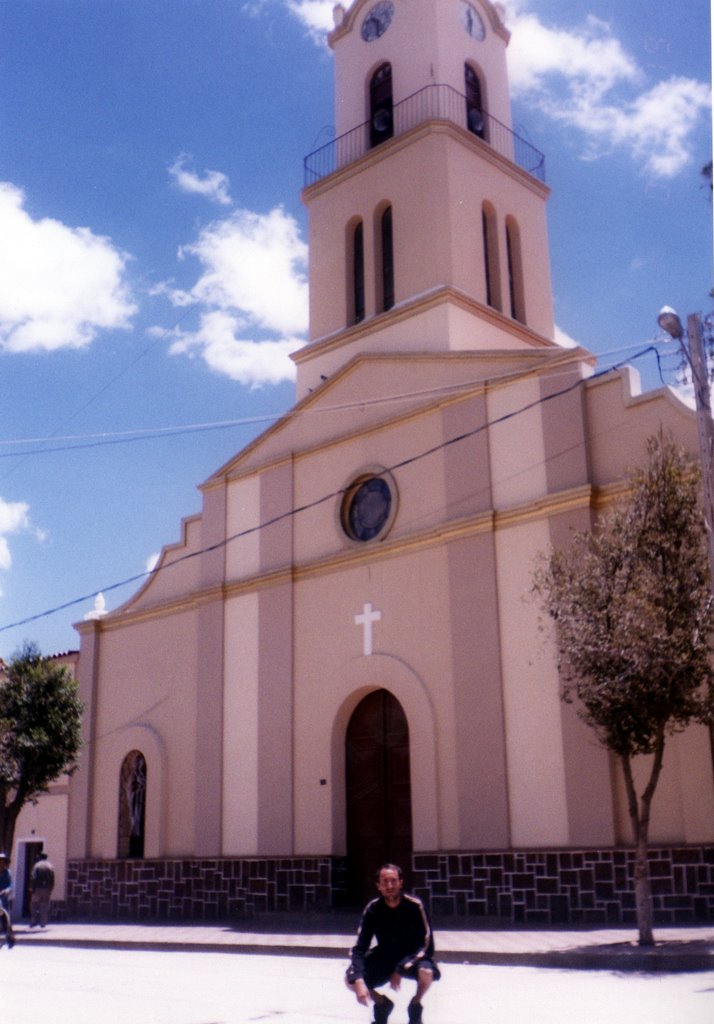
[(432, 103)]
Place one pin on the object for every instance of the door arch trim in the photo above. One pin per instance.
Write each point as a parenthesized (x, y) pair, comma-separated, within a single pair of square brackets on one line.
[(384, 672)]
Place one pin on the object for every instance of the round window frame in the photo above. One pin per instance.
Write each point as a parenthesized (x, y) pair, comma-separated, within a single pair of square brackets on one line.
[(349, 495)]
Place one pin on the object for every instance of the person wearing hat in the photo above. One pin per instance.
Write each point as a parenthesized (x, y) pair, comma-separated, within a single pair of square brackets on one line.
[(5, 893), (42, 881)]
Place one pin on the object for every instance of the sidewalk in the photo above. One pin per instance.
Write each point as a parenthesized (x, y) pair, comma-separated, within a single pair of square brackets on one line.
[(676, 949)]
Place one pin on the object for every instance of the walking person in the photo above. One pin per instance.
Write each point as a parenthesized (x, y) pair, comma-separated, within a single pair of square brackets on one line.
[(42, 882), (5, 894), (404, 949)]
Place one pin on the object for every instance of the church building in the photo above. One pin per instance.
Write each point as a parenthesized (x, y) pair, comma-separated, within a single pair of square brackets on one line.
[(341, 661)]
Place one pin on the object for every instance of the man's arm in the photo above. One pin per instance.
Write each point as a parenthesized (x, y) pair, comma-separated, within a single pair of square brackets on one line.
[(365, 934), (423, 936)]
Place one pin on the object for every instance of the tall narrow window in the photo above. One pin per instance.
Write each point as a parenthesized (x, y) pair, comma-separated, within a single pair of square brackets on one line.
[(358, 273), (381, 125), (475, 118), (515, 271), (490, 256), (132, 805), (387, 242)]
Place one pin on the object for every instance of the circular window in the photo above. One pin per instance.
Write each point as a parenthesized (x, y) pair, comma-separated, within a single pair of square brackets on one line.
[(367, 507)]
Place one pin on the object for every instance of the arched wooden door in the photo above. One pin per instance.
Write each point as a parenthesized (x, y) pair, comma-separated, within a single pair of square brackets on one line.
[(379, 806)]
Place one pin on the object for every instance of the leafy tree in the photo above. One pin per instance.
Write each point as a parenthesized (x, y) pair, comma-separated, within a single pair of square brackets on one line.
[(40, 715), (632, 603)]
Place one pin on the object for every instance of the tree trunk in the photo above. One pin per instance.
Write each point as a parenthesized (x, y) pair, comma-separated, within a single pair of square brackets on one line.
[(640, 818), (7, 833), (9, 813), (643, 888)]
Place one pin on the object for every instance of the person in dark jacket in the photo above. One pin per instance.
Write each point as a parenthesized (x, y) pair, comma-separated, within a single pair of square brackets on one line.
[(42, 881), (404, 947)]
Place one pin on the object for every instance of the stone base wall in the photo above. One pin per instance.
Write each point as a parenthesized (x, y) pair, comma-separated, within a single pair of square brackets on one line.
[(509, 887), (196, 889), (565, 886)]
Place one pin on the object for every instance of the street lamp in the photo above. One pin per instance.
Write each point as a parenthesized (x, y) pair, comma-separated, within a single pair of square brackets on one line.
[(692, 348), (669, 321)]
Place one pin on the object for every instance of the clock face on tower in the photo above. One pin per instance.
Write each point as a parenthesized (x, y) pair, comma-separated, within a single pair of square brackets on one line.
[(377, 20), (472, 21)]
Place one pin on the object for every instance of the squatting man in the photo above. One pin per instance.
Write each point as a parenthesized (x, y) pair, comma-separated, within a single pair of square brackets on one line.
[(404, 948)]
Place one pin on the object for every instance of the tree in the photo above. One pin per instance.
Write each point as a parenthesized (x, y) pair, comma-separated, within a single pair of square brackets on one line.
[(632, 603), (40, 716)]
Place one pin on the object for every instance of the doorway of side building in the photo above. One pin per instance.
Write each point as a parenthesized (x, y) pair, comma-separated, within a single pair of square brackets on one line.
[(379, 804), (28, 852)]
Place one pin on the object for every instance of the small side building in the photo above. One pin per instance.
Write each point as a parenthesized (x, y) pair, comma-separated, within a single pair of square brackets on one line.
[(42, 826)]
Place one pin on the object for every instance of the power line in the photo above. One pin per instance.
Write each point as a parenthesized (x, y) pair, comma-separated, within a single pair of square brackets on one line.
[(82, 442), (105, 387), (410, 460), (78, 442)]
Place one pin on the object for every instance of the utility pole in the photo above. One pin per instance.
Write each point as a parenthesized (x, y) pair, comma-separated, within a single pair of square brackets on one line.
[(692, 348), (693, 351), (705, 425)]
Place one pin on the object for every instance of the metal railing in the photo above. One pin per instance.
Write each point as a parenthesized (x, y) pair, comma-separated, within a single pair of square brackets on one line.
[(432, 103)]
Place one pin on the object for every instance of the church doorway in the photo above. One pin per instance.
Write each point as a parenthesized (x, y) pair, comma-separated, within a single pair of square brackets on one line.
[(28, 853), (379, 806)]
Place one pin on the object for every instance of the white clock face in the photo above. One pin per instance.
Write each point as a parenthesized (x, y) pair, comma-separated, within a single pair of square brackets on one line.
[(472, 21), (377, 20)]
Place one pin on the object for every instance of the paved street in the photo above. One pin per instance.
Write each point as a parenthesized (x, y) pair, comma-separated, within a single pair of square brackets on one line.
[(107, 986)]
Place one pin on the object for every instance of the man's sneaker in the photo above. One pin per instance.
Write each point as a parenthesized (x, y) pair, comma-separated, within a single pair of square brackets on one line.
[(382, 1010), (10, 940), (414, 1011)]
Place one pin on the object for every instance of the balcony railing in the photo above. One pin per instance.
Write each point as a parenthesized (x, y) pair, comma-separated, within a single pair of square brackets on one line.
[(432, 103)]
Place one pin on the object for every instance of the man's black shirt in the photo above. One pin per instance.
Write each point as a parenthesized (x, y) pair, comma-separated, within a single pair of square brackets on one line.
[(402, 932)]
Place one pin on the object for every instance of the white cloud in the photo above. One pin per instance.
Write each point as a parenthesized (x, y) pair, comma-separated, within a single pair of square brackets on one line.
[(660, 124), (590, 56), (14, 517), (585, 79), (249, 362), (254, 263), (316, 15), (214, 185), (58, 285), (253, 294)]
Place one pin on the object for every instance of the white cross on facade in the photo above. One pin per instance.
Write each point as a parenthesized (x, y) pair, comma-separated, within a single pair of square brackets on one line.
[(365, 619)]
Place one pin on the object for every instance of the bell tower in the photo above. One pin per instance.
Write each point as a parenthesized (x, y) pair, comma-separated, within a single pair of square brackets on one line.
[(427, 225)]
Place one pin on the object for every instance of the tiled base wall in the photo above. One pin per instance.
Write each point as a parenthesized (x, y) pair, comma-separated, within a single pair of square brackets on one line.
[(197, 890), (574, 886), (506, 887)]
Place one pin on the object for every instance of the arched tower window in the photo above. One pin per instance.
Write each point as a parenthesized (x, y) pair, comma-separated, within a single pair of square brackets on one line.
[(355, 257), (132, 805), (381, 125), (475, 117), (490, 256), (385, 260), (515, 270)]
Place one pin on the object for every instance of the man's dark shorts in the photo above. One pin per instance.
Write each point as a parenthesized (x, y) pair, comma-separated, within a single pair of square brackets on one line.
[(379, 967)]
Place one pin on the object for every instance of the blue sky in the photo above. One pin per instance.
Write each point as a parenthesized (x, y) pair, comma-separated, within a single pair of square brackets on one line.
[(150, 175)]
